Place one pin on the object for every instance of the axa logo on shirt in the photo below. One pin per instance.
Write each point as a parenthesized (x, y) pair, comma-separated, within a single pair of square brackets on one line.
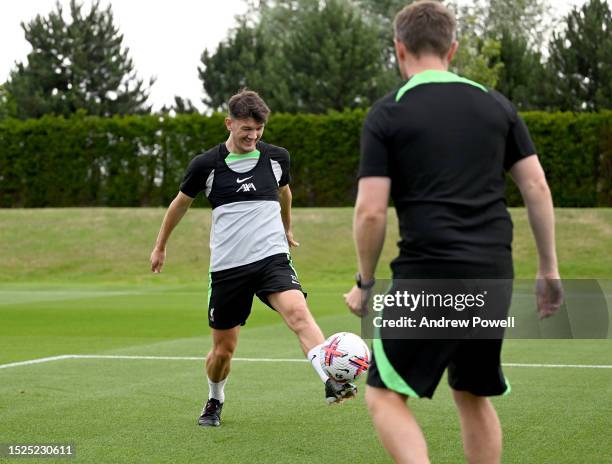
[(246, 187)]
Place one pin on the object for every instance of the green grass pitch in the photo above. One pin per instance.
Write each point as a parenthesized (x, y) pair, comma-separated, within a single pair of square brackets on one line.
[(77, 282)]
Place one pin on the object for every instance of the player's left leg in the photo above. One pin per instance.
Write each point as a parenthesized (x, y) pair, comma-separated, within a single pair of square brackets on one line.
[(474, 374), (397, 427)]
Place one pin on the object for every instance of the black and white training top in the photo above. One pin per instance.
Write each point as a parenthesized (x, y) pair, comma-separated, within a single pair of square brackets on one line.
[(243, 192)]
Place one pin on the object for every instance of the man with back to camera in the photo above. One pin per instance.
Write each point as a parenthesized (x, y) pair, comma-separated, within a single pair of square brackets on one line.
[(440, 145), (247, 183)]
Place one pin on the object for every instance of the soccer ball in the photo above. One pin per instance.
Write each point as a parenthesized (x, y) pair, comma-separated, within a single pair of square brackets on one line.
[(344, 356)]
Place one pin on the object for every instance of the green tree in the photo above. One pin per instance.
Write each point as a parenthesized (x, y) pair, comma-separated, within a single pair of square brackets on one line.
[(76, 64), (581, 59), (520, 27), (180, 106), (524, 19), (7, 105), (300, 55), (333, 59), (382, 13), (383, 10), (524, 78), (237, 63), (499, 43), (477, 57)]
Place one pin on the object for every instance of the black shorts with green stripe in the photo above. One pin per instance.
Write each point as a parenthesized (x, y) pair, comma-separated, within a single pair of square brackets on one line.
[(231, 291), (414, 367)]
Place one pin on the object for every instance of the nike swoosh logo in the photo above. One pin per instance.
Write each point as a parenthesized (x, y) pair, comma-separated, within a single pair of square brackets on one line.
[(242, 180)]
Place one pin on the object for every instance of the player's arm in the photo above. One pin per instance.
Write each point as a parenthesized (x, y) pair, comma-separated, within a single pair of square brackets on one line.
[(284, 197), (529, 176), (369, 225), (173, 216), (370, 222)]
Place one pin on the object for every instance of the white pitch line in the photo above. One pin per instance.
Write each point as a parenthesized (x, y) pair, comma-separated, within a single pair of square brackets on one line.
[(269, 360), (180, 358), (574, 366), (196, 358), (36, 361), (168, 358), (290, 360), (110, 356)]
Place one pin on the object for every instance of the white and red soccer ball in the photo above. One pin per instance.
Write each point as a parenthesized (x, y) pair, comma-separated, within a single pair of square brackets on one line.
[(345, 356)]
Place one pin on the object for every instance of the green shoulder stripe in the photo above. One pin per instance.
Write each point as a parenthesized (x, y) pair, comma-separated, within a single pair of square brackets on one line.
[(435, 77)]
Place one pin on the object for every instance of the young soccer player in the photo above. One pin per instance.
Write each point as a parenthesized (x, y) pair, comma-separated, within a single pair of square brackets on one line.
[(246, 182)]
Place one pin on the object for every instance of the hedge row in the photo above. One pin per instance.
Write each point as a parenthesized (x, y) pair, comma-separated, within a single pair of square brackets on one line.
[(576, 153), (139, 160)]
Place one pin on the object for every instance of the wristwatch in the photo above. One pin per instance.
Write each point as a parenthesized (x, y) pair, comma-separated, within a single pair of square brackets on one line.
[(364, 285)]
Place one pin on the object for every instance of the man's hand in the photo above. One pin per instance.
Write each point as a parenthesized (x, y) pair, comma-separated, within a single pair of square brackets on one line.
[(157, 260), (356, 300), (549, 294), (290, 240), (173, 216)]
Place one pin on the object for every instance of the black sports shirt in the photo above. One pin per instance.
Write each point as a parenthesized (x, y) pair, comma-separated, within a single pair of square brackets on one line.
[(446, 143)]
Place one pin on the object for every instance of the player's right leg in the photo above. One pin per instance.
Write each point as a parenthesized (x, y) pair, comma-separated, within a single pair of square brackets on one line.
[(229, 306), (218, 364), (219, 358)]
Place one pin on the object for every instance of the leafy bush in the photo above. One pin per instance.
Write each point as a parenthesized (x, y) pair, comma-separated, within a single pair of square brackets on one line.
[(140, 160)]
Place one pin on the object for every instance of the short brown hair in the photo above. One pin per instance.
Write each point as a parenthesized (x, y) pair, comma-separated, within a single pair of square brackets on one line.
[(248, 104), (426, 26)]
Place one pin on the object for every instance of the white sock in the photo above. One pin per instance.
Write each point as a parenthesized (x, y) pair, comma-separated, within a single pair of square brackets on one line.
[(314, 356), (215, 390)]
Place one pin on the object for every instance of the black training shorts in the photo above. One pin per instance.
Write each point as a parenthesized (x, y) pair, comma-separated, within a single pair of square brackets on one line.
[(414, 366), (231, 291)]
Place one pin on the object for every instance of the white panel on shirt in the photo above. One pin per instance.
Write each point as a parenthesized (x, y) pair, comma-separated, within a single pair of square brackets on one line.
[(245, 232)]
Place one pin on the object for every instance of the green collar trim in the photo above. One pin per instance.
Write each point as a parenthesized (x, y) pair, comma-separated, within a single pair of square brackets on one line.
[(233, 157), (432, 76)]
